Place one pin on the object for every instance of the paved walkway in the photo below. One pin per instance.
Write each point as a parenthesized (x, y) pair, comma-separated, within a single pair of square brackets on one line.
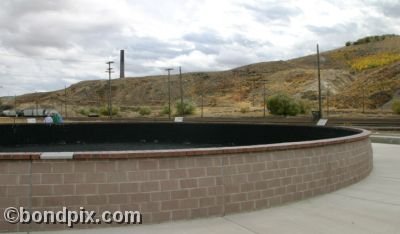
[(370, 206), (388, 138)]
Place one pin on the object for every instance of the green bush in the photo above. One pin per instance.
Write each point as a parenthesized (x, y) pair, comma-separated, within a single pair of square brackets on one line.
[(83, 112), (144, 111), (373, 39), (184, 108), (304, 107), (348, 43), (93, 110), (396, 106), (282, 104), (165, 110), (104, 111)]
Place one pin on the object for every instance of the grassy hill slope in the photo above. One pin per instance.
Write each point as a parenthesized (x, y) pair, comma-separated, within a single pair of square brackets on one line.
[(369, 71)]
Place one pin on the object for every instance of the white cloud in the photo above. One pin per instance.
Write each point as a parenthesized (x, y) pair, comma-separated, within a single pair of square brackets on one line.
[(45, 45)]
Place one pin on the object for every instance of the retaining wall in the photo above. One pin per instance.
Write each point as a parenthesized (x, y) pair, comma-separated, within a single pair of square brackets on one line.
[(167, 185)]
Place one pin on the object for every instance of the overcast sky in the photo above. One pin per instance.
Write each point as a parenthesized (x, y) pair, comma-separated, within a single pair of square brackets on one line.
[(46, 44)]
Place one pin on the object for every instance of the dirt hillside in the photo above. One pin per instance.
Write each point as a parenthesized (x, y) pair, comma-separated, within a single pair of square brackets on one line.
[(367, 72)]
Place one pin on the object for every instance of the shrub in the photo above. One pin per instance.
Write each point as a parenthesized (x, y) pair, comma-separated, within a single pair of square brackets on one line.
[(304, 107), (144, 111), (184, 108), (115, 110), (348, 43), (282, 104), (373, 39), (396, 106), (83, 112), (165, 110), (244, 108), (93, 110), (104, 111)]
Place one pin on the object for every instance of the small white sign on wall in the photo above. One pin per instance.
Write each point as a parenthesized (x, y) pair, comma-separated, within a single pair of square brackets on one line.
[(322, 122), (178, 119), (31, 120)]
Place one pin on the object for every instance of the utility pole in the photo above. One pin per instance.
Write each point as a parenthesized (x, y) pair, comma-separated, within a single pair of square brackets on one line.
[(65, 101), (109, 70), (202, 105), (265, 101), (319, 85), (169, 92), (253, 80), (363, 100), (37, 105), (15, 107), (180, 84), (327, 101), (253, 101), (235, 78), (122, 64)]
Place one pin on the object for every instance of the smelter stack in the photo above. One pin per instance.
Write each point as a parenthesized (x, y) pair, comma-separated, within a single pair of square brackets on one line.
[(122, 64)]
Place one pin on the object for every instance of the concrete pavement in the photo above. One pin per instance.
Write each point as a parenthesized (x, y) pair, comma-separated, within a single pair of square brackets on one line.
[(370, 206), (387, 138)]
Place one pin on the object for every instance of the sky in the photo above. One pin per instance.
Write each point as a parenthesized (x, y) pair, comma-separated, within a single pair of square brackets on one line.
[(46, 45)]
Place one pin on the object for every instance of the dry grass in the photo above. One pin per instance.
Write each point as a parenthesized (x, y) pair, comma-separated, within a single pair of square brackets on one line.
[(346, 71), (373, 61)]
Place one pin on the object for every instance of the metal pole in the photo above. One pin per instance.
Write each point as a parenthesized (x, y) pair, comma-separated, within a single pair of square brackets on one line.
[(37, 105), (65, 103), (265, 104), (253, 93), (169, 95), (180, 84), (15, 107), (109, 70), (202, 105), (240, 85), (169, 92), (121, 64), (327, 101), (363, 100), (319, 85)]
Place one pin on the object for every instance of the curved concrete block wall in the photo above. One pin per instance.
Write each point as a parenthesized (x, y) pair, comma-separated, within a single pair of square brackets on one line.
[(168, 185)]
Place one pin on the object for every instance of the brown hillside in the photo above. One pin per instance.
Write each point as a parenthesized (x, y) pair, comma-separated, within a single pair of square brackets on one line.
[(371, 70)]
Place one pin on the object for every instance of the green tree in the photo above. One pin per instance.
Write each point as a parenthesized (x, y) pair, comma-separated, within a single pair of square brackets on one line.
[(282, 104), (184, 108)]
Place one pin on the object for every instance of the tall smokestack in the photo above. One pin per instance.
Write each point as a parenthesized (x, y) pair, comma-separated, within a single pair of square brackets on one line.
[(122, 64)]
